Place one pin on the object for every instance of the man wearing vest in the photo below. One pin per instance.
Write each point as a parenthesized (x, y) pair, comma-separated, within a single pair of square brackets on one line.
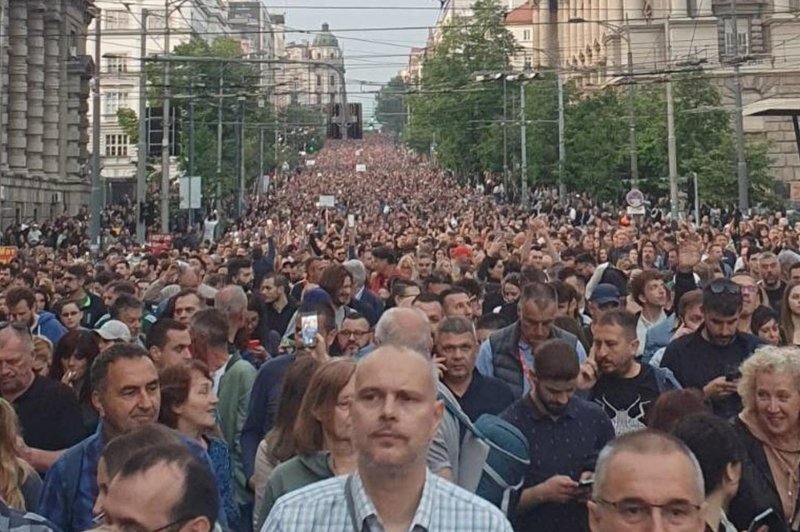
[(508, 353)]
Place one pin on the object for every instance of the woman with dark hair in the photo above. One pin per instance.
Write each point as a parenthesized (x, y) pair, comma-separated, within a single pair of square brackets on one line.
[(72, 359), (765, 324), (674, 405), (321, 435), (337, 282), (278, 445), (189, 405)]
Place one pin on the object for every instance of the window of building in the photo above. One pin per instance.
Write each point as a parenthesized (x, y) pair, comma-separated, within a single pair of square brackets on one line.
[(112, 101), (319, 80), (115, 19), (319, 99), (117, 64), (526, 35), (333, 81), (155, 21), (116, 146), (740, 37)]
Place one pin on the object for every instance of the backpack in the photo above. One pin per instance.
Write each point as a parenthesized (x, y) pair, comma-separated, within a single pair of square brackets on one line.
[(509, 456)]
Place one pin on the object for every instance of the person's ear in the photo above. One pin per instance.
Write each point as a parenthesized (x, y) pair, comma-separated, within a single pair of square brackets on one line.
[(98, 404), (198, 524), (635, 345), (155, 354)]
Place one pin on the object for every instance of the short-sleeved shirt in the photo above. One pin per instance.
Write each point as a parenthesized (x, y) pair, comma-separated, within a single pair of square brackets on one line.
[(50, 415), (485, 395), (567, 445)]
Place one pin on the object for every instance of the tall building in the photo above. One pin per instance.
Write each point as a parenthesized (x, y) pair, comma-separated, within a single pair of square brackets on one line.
[(251, 24), (44, 86), (311, 74), (120, 41)]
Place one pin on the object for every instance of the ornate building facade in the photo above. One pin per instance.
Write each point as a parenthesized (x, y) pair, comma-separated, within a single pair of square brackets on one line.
[(45, 77)]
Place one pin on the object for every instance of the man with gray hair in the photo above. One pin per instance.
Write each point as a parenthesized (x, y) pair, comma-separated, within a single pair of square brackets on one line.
[(370, 304), (404, 327), (232, 302), (647, 480)]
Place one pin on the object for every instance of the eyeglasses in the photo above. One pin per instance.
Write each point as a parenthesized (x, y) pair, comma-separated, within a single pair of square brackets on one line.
[(721, 286), (102, 520), (357, 334), (636, 512)]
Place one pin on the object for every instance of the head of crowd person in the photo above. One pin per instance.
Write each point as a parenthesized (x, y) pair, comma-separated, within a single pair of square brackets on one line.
[(231, 301), (43, 298), (405, 327), (456, 302), (16, 356), (567, 299), (437, 282), (722, 306), (392, 439), (605, 296), (129, 310), (209, 335), (585, 265), (674, 405), (73, 281), (648, 289), (115, 289), (476, 293), (510, 288), (403, 292), (424, 264), (188, 400), (769, 270), (274, 289), (117, 451), (42, 356), (430, 305), (354, 335), (615, 344), (112, 332), (72, 359), (168, 342), (766, 325), (770, 391), (21, 306), (487, 324), (647, 480), (750, 292), (6, 275), (240, 272), (554, 376), (69, 314), (789, 311), (183, 305), (537, 309), (794, 272), (326, 328), (406, 268), (163, 488), (358, 272), (16, 472), (384, 261), (125, 389), (314, 266), (457, 344), (690, 311), (719, 451), (338, 283)]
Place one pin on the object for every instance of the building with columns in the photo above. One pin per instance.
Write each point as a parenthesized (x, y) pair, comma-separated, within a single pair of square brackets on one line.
[(44, 89)]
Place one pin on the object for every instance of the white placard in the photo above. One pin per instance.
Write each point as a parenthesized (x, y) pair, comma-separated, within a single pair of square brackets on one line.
[(361, 168), (327, 201), (311, 162), (191, 191)]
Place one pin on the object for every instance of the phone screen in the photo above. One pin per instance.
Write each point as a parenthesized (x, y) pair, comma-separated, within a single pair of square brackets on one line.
[(351, 220), (309, 325)]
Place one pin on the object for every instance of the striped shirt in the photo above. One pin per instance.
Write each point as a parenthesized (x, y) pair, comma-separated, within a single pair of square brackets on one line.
[(323, 506)]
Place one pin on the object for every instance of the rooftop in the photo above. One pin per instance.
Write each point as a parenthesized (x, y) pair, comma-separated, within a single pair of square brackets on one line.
[(521, 15)]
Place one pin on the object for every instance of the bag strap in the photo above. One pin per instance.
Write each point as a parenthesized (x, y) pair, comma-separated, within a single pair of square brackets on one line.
[(351, 505), (460, 416)]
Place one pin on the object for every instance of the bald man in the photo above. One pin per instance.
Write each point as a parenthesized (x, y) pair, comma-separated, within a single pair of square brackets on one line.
[(395, 414)]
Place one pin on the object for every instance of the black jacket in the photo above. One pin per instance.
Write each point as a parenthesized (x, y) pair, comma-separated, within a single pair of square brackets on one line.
[(757, 490)]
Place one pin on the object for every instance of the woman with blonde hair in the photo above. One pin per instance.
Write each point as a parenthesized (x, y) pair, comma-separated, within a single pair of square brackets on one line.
[(20, 485), (769, 428), (321, 435), (407, 267)]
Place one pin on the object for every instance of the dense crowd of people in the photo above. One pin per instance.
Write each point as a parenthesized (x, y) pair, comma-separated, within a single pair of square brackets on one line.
[(412, 354)]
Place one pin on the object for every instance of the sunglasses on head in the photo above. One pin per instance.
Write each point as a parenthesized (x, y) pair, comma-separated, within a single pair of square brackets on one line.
[(724, 287)]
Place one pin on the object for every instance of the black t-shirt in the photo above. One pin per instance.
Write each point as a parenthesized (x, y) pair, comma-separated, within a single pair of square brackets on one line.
[(775, 296), (279, 321), (627, 401), (695, 362), (49, 415), (485, 395)]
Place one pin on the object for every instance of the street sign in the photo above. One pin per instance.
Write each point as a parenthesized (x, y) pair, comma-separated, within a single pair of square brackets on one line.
[(634, 211), (327, 201), (635, 198), (7, 254), (191, 191)]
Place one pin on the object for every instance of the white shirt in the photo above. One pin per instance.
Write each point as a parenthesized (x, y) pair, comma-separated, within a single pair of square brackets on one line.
[(641, 329), (217, 375)]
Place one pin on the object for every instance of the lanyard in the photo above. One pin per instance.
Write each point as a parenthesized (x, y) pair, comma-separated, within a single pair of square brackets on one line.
[(522, 364)]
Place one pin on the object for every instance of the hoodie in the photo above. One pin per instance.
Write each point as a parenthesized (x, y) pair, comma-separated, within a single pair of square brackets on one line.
[(47, 325)]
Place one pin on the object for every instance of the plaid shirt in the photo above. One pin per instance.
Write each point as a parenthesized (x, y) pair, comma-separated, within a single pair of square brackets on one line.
[(14, 521), (324, 506)]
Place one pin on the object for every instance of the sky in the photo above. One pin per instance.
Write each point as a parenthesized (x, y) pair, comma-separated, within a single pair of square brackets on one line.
[(370, 56)]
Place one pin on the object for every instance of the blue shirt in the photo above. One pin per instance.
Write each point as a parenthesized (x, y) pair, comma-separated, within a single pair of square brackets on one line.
[(485, 366), (443, 506), (567, 445), (15, 521)]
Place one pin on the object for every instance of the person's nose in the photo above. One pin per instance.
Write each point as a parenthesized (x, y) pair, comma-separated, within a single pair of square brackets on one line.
[(389, 408)]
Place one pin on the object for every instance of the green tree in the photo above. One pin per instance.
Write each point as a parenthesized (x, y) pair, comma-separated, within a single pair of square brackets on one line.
[(390, 105)]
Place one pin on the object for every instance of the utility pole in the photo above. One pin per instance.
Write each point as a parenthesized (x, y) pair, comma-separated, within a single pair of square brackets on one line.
[(96, 198), (696, 200), (219, 139), (260, 181), (632, 111), (523, 129), (562, 149), (141, 159), (741, 164), (166, 128), (191, 156), (2, 69), (240, 207), (671, 149), (505, 138)]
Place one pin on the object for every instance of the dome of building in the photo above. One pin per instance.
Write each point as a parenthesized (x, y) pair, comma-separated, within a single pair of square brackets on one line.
[(325, 38)]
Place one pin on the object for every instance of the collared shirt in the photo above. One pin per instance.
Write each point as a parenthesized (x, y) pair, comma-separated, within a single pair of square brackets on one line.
[(642, 326), (14, 521), (217, 375), (323, 506), (567, 445)]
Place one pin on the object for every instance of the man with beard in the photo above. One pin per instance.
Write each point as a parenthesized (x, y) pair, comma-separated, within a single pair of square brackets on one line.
[(278, 308), (709, 358), (623, 387), (354, 339), (770, 270), (240, 272), (74, 280), (565, 434)]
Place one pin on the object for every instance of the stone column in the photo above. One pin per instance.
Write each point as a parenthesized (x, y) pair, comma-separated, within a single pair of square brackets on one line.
[(602, 30), (591, 7), (633, 11), (679, 8), (17, 85), (574, 30), (544, 31), (704, 8), (35, 86), (4, 91), (52, 84)]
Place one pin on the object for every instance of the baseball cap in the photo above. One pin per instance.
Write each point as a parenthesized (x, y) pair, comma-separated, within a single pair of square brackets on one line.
[(605, 293), (114, 330)]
